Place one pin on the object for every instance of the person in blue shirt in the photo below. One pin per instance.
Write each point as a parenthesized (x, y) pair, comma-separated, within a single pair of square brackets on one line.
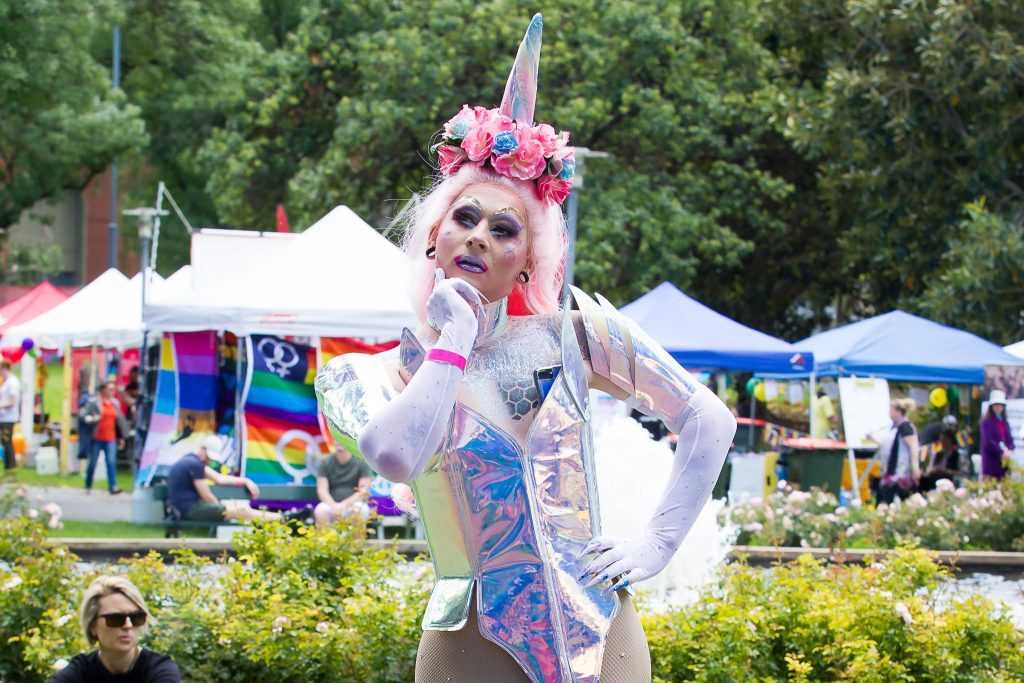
[(189, 493)]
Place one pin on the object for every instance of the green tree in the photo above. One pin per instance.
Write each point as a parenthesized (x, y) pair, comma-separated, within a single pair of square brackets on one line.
[(188, 65), (61, 122), (981, 285), (910, 110), (678, 93)]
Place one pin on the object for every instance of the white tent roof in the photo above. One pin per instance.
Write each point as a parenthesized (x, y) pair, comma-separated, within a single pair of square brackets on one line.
[(1015, 349), (106, 312), (338, 278)]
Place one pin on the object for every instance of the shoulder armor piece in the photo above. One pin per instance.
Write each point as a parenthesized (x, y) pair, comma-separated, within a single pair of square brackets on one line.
[(349, 389), (622, 353)]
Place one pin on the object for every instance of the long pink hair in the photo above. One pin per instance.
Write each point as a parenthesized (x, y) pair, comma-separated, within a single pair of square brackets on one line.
[(548, 246)]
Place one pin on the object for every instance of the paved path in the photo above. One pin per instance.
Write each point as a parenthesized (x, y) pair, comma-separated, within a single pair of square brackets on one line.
[(99, 506)]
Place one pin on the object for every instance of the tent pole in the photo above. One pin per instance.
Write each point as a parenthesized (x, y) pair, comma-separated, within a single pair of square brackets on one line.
[(750, 433), (811, 421)]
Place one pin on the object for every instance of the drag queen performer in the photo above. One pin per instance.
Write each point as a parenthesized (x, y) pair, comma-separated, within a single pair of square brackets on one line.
[(484, 411)]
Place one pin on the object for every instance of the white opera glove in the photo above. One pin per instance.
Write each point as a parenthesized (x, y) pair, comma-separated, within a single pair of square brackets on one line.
[(706, 434), (399, 440), (452, 308)]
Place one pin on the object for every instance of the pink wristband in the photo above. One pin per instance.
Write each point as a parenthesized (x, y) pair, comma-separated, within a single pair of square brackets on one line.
[(450, 357)]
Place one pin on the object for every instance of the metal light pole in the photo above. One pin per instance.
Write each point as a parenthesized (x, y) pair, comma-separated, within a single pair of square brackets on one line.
[(112, 226), (146, 216), (572, 211)]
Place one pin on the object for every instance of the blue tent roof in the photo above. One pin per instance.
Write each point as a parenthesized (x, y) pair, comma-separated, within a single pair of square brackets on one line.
[(699, 337), (903, 347)]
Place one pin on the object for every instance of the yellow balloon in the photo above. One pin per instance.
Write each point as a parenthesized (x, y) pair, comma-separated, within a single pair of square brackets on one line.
[(938, 397), (759, 391)]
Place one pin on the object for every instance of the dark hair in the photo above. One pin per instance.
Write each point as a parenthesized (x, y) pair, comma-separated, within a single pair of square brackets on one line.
[(131, 386)]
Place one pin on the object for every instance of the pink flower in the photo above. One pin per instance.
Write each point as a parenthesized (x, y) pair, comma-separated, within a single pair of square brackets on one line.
[(551, 141), (551, 189), (479, 141), (460, 124), (561, 155), (526, 162), (450, 158)]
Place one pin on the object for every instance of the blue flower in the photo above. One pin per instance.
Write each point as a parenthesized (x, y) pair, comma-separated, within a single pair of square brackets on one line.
[(460, 128), (568, 169), (505, 143)]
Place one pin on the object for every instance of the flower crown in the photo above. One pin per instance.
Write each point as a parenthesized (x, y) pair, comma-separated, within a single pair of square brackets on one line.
[(512, 148)]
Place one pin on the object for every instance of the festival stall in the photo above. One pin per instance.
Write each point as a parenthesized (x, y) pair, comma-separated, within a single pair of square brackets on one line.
[(241, 345), (700, 337), (29, 305), (902, 347)]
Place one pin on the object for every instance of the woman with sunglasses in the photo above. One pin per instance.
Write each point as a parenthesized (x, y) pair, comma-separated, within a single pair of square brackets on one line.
[(114, 617)]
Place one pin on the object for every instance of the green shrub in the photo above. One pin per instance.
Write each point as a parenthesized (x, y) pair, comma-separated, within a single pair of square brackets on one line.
[(808, 621), (983, 516), (322, 606)]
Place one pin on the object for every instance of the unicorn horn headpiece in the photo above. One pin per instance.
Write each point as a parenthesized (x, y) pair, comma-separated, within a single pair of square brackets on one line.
[(505, 139)]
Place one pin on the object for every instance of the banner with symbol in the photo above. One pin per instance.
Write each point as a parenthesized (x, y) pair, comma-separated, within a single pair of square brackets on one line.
[(281, 438)]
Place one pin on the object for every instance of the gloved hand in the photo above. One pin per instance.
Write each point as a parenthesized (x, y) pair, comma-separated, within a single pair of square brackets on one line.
[(400, 439), (452, 308), (704, 439)]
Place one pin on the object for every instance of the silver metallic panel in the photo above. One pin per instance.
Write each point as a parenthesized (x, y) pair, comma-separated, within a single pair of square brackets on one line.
[(564, 511), (663, 387), (572, 363), (596, 329), (350, 388), (514, 604), (620, 354), (411, 352)]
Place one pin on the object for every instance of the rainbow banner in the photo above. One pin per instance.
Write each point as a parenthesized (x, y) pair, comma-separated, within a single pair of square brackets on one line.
[(186, 397), (281, 437)]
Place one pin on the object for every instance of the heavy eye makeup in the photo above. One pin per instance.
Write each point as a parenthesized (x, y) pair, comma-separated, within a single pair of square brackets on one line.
[(502, 225)]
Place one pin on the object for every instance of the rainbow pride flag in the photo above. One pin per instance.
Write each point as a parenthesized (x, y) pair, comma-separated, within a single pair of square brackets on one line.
[(282, 442), (186, 398)]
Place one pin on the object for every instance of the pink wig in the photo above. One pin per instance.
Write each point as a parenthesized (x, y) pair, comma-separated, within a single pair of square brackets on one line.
[(421, 219)]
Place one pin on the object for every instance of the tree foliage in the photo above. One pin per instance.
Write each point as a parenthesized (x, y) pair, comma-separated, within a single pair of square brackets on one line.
[(793, 164), (61, 122)]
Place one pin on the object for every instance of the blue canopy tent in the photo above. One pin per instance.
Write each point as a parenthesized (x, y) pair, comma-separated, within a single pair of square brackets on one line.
[(699, 337), (903, 347)]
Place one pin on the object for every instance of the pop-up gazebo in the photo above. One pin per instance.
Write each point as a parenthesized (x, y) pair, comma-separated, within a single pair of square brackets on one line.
[(700, 337), (902, 347)]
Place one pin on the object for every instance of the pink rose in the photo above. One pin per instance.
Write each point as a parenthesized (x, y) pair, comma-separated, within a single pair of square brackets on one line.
[(552, 141), (527, 161), (480, 140), (450, 158), (551, 189), (460, 124)]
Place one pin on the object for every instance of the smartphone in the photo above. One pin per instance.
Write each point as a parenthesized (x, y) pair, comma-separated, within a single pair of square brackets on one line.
[(545, 378)]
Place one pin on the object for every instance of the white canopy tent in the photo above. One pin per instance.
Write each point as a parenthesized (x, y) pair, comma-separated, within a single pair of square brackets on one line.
[(1015, 349), (338, 278), (106, 312)]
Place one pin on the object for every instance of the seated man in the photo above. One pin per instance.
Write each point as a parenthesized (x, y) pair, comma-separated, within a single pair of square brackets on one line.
[(343, 486), (190, 495)]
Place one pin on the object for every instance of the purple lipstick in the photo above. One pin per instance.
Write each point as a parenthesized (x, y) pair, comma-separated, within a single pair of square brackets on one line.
[(470, 264)]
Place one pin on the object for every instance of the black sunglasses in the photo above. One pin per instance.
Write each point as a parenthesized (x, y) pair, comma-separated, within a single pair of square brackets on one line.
[(117, 619)]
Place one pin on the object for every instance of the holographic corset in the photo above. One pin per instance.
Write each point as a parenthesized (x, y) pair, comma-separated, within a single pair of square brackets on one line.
[(510, 500)]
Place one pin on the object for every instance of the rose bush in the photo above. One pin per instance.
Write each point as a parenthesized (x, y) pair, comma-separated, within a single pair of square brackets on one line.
[(981, 516)]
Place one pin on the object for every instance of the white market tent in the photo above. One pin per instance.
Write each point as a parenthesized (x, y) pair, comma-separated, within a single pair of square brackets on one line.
[(1015, 349), (106, 312), (339, 277)]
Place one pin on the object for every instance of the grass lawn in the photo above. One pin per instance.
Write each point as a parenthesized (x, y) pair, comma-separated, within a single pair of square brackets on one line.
[(74, 528), (29, 477)]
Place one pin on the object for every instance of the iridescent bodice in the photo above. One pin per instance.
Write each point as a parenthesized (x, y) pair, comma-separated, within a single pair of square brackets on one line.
[(510, 500)]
